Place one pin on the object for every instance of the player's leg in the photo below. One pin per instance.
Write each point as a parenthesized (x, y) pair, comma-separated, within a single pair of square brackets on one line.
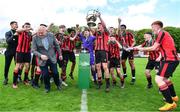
[(111, 69), (113, 76), (104, 60), (72, 58), (15, 75), (123, 62), (26, 72), (118, 71), (36, 78), (64, 66), (166, 70), (131, 62), (26, 60)]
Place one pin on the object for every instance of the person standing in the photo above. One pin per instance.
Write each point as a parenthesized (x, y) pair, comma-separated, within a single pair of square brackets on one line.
[(43, 46), (127, 41), (10, 53), (101, 53), (165, 43), (23, 54), (153, 59)]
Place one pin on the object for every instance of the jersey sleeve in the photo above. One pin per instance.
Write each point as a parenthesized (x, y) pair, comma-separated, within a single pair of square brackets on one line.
[(160, 37)]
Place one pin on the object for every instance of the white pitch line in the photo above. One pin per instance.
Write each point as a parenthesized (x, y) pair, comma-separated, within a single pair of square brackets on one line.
[(84, 107)]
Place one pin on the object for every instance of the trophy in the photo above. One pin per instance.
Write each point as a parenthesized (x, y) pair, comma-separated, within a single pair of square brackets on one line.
[(91, 17)]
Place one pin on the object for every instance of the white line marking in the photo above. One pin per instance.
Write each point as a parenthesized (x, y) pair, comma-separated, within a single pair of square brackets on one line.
[(84, 107)]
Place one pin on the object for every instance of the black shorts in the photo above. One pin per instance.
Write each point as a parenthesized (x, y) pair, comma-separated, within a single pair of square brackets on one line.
[(101, 56), (114, 62), (167, 68), (152, 64), (126, 54), (23, 57), (67, 55)]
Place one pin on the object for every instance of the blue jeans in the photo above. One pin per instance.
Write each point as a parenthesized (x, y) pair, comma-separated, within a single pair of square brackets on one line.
[(46, 75)]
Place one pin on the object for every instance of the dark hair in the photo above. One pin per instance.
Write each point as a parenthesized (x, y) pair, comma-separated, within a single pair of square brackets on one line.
[(43, 25), (150, 33), (70, 30), (12, 22), (62, 26), (86, 29), (123, 25), (160, 23), (27, 23)]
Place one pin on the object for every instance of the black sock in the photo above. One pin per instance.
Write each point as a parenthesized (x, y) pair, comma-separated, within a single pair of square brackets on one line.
[(124, 70), (15, 76), (25, 76), (36, 80), (99, 80), (107, 82), (133, 72), (122, 81), (93, 74), (149, 80), (171, 89), (19, 72), (166, 93)]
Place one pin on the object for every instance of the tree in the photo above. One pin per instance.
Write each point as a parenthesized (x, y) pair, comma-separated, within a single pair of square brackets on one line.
[(139, 36), (175, 33)]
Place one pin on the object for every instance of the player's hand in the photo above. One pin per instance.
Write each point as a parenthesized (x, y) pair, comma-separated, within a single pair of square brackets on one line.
[(140, 49), (44, 57), (16, 34), (158, 59), (119, 20), (60, 57), (98, 14), (136, 48)]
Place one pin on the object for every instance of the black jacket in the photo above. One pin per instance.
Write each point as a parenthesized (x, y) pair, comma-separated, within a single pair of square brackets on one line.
[(12, 42)]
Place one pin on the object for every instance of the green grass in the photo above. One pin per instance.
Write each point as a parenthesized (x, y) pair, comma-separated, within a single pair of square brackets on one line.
[(131, 98)]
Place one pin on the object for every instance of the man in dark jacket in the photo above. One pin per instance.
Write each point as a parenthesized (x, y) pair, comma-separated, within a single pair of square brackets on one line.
[(12, 41)]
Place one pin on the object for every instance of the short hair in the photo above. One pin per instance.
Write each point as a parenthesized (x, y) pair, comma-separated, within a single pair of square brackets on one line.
[(70, 30), (86, 29), (123, 25), (12, 22), (43, 25), (150, 33), (62, 26), (27, 23), (160, 23)]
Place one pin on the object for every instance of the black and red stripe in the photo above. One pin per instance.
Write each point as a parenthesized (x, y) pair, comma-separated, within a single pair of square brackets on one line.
[(24, 42)]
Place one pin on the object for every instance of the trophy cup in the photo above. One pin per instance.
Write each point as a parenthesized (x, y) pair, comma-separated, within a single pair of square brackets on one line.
[(91, 17)]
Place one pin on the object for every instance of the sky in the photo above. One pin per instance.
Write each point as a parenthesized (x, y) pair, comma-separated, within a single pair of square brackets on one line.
[(136, 14)]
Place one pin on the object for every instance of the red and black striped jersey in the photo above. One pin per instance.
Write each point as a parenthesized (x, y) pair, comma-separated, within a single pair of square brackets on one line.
[(127, 39), (101, 42), (24, 42), (167, 46), (153, 55), (68, 45), (114, 51)]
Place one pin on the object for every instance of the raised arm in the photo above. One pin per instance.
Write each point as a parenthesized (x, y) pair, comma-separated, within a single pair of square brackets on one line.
[(23, 29), (119, 27)]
